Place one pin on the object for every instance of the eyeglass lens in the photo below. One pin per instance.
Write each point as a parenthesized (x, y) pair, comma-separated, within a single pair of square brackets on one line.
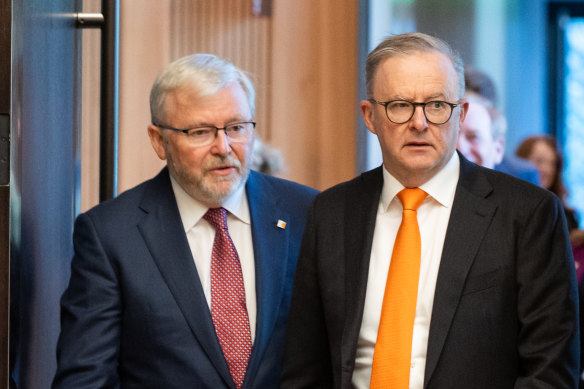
[(436, 112), (237, 132)]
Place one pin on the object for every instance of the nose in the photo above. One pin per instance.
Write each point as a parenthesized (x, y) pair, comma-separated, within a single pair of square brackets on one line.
[(221, 144), (419, 119)]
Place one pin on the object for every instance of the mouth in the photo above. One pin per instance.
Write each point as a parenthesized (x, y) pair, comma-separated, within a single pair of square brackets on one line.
[(417, 145), (223, 170)]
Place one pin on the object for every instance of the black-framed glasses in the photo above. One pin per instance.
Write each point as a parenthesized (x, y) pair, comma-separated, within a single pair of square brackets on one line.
[(237, 132), (402, 111)]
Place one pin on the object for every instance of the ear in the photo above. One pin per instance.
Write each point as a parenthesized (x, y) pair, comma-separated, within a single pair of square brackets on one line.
[(463, 110), (367, 113), (499, 151), (157, 141)]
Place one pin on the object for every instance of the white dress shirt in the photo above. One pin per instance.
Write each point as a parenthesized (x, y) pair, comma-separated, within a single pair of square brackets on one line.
[(200, 235), (433, 216)]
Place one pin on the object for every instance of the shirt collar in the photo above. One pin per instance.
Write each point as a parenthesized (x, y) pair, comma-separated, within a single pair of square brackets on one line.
[(191, 210), (441, 187)]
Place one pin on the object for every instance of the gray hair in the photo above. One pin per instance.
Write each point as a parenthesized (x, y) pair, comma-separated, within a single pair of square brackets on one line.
[(407, 44), (498, 121), (205, 73)]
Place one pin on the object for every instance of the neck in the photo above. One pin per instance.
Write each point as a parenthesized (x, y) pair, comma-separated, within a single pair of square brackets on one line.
[(411, 180)]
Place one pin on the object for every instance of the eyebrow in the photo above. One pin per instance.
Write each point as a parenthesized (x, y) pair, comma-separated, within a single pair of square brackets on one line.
[(432, 97), (436, 96), (234, 119)]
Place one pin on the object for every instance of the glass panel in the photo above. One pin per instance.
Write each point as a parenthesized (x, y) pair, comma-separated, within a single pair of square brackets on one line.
[(574, 130)]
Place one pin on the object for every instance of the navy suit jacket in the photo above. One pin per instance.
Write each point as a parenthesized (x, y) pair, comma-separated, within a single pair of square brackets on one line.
[(505, 309), (134, 314)]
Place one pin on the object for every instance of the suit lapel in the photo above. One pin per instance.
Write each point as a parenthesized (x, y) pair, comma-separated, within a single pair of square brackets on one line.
[(270, 245), (164, 235), (359, 224), (470, 218)]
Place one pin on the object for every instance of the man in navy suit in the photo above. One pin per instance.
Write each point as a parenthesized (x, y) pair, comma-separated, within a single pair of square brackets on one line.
[(495, 299), (145, 306)]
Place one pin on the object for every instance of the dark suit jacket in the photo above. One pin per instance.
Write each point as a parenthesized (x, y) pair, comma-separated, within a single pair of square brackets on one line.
[(135, 315), (505, 309)]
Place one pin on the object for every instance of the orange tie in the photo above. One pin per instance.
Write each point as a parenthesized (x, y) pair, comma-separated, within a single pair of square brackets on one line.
[(393, 348)]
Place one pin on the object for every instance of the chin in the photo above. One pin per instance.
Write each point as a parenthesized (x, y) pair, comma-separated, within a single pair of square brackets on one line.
[(224, 186)]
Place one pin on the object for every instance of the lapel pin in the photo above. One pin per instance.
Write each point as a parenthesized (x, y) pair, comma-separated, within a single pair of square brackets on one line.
[(281, 224)]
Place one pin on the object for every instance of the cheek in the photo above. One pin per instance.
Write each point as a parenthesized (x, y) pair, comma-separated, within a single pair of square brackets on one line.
[(243, 152), (448, 137), (388, 141), (484, 145), (189, 158)]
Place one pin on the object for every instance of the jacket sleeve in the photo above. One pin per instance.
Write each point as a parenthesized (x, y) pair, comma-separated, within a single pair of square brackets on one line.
[(89, 343), (547, 301)]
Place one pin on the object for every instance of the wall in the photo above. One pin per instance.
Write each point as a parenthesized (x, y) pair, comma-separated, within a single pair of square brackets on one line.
[(525, 53)]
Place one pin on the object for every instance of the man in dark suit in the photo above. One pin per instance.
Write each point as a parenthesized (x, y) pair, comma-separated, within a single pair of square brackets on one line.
[(494, 297), (185, 280)]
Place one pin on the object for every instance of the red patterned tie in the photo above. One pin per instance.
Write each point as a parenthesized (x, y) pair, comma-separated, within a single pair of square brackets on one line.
[(228, 307)]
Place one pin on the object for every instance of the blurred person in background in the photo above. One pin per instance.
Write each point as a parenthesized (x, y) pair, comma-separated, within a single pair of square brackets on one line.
[(543, 152), (266, 159), (482, 134), (479, 83)]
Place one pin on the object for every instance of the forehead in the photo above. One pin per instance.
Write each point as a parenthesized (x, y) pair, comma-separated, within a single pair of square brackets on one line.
[(477, 116), (542, 148), (187, 101), (416, 75)]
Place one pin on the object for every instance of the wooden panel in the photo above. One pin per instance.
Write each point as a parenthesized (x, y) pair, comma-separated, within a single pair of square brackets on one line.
[(315, 73), (144, 50), (338, 100), (90, 96)]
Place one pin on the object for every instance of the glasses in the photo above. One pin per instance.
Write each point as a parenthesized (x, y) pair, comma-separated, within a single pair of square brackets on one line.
[(203, 136), (401, 111)]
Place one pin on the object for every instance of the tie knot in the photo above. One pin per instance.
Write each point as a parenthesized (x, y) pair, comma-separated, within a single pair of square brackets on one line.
[(217, 217), (411, 198)]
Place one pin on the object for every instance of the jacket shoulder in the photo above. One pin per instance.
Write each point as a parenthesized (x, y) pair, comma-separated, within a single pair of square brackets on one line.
[(366, 184), (128, 202), (284, 188)]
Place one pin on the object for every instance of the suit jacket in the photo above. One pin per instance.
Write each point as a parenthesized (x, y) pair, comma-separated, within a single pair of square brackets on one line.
[(134, 314), (505, 307)]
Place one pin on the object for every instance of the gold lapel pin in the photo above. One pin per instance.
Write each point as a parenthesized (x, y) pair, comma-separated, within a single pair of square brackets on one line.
[(281, 224)]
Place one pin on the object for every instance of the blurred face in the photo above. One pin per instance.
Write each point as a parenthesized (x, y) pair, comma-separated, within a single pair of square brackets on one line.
[(475, 140), (543, 157), (207, 173), (413, 152)]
